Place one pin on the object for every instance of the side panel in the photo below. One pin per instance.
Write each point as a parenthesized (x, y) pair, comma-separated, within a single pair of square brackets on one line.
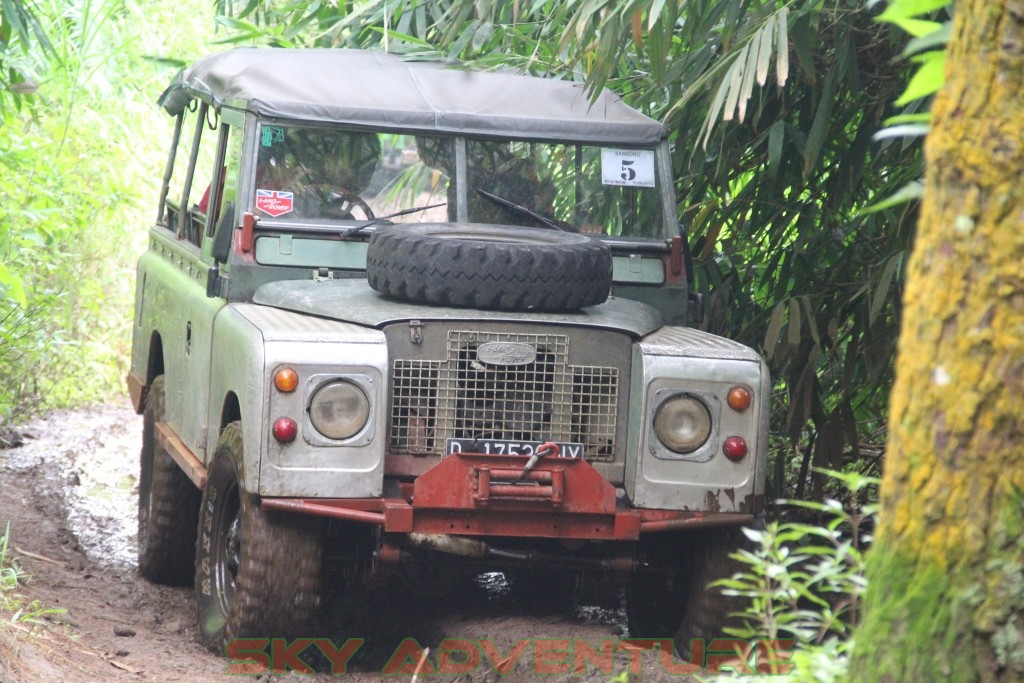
[(141, 334), (236, 367), (172, 279), (164, 287)]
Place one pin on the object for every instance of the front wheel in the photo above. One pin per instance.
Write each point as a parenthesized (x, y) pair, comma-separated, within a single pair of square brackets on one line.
[(258, 572), (673, 597)]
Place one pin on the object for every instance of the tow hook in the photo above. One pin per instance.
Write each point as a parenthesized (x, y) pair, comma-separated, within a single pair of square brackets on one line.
[(545, 449)]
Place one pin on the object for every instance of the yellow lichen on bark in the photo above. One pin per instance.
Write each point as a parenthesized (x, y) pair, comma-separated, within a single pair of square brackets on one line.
[(954, 469)]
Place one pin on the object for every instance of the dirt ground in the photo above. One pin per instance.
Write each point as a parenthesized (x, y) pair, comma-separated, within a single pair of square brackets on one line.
[(69, 495)]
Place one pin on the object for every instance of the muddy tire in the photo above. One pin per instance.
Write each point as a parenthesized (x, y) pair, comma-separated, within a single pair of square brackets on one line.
[(496, 268), (258, 572), (168, 504), (674, 601)]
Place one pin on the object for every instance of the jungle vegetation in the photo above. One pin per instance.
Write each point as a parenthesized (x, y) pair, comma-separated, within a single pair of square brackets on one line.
[(796, 128), (81, 147)]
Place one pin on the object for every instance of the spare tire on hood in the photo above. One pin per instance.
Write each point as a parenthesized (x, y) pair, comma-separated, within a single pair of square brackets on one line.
[(493, 267)]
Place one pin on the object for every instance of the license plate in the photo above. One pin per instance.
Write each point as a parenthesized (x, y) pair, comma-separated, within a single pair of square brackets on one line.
[(502, 447)]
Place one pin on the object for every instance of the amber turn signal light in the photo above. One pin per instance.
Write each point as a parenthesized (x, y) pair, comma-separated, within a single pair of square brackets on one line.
[(739, 399), (286, 380)]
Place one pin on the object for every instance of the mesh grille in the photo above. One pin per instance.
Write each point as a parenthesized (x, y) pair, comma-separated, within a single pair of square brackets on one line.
[(465, 398)]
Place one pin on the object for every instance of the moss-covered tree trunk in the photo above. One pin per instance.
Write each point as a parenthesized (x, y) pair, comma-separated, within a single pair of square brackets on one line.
[(946, 595)]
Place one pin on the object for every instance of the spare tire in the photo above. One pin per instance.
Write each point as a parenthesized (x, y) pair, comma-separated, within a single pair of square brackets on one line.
[(492, 267)]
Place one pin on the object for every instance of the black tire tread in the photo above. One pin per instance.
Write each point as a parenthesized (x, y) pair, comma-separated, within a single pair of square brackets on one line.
[(278, 583), (708, 612), (167, 541), (685, 607), (556, 272)]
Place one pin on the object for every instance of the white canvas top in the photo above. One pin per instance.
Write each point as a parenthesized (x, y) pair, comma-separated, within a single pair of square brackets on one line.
[(367, 88)]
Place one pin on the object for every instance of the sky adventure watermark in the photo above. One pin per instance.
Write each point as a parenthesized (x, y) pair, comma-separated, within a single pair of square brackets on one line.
[(457, 656)]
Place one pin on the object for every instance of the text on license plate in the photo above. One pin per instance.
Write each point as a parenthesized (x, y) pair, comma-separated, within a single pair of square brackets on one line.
[(500, 447)]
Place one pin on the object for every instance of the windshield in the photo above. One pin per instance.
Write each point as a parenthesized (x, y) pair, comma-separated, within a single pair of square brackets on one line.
[(583, 189), (324, 175), (327, 175)]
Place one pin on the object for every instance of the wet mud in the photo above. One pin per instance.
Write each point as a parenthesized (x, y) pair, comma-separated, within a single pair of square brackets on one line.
[(69, 495)]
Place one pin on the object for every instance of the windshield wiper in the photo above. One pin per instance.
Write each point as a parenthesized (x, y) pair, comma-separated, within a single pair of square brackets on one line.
[(378, 219), (501, 201)]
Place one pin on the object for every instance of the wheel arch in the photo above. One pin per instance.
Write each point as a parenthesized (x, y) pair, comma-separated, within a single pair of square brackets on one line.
[(231, 411), (155, 365), (139, 384)]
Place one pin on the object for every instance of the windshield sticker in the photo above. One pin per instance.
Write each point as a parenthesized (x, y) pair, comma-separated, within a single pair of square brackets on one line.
[(274, 202), (271, 134), (627, 167)]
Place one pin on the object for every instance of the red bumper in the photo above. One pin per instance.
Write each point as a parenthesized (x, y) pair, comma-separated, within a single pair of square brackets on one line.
[(486, 495)]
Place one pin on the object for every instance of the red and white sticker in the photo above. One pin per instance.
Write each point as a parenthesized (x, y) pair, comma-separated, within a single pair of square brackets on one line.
[(275, 202)]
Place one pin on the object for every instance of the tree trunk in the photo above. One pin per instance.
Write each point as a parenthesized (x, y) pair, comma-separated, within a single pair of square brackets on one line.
[(946, 594)]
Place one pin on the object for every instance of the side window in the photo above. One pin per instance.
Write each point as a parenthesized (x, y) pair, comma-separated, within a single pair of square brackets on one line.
[(178, 166), (189, 188), (228, 191), (223, 187)]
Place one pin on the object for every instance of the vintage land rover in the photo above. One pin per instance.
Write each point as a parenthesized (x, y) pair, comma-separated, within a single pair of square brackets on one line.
[(396, 313)]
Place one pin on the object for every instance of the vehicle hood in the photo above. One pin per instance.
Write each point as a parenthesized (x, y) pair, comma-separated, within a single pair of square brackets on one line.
[(352, 300)]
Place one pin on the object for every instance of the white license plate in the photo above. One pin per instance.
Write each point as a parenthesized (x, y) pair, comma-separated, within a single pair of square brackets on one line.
[(502, 447)]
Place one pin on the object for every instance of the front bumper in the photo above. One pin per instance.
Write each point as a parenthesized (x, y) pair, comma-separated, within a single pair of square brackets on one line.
[(471, 494)]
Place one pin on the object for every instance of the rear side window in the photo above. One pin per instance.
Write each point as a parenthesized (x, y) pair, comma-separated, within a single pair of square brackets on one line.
[(187, 206)]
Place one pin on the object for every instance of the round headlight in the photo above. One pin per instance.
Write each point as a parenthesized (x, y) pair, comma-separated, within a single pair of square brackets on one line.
[(683, 424), (339, 410)]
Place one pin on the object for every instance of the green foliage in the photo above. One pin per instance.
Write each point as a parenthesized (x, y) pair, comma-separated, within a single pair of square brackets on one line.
[(14, 606), (79, 173), (774, 200), (805, 581), (927, 49), (11, 575), (20, 37)]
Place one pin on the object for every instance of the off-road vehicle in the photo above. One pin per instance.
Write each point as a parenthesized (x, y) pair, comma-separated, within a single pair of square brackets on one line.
[(397, 313)]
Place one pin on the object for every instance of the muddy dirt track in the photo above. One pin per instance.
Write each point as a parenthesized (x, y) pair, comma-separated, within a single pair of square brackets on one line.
[(69, 495)]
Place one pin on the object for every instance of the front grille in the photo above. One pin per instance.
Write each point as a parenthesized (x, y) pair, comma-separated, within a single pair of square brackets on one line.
[(466, 397)]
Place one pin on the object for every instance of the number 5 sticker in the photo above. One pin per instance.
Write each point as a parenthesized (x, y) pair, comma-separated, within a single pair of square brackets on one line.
[(627, 167)]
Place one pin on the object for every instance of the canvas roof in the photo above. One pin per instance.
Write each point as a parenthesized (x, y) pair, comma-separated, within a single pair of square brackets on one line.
[(385, 90)]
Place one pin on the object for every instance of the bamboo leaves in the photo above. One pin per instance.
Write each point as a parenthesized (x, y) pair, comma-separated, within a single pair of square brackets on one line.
[(23, 45), (748, 65), (882, 291), (928, 78)]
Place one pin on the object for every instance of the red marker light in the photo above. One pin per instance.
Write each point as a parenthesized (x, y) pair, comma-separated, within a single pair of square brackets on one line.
[(735, 448), (285, 430)]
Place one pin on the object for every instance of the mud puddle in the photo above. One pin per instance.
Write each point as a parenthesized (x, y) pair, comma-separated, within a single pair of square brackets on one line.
[(92, 455)]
